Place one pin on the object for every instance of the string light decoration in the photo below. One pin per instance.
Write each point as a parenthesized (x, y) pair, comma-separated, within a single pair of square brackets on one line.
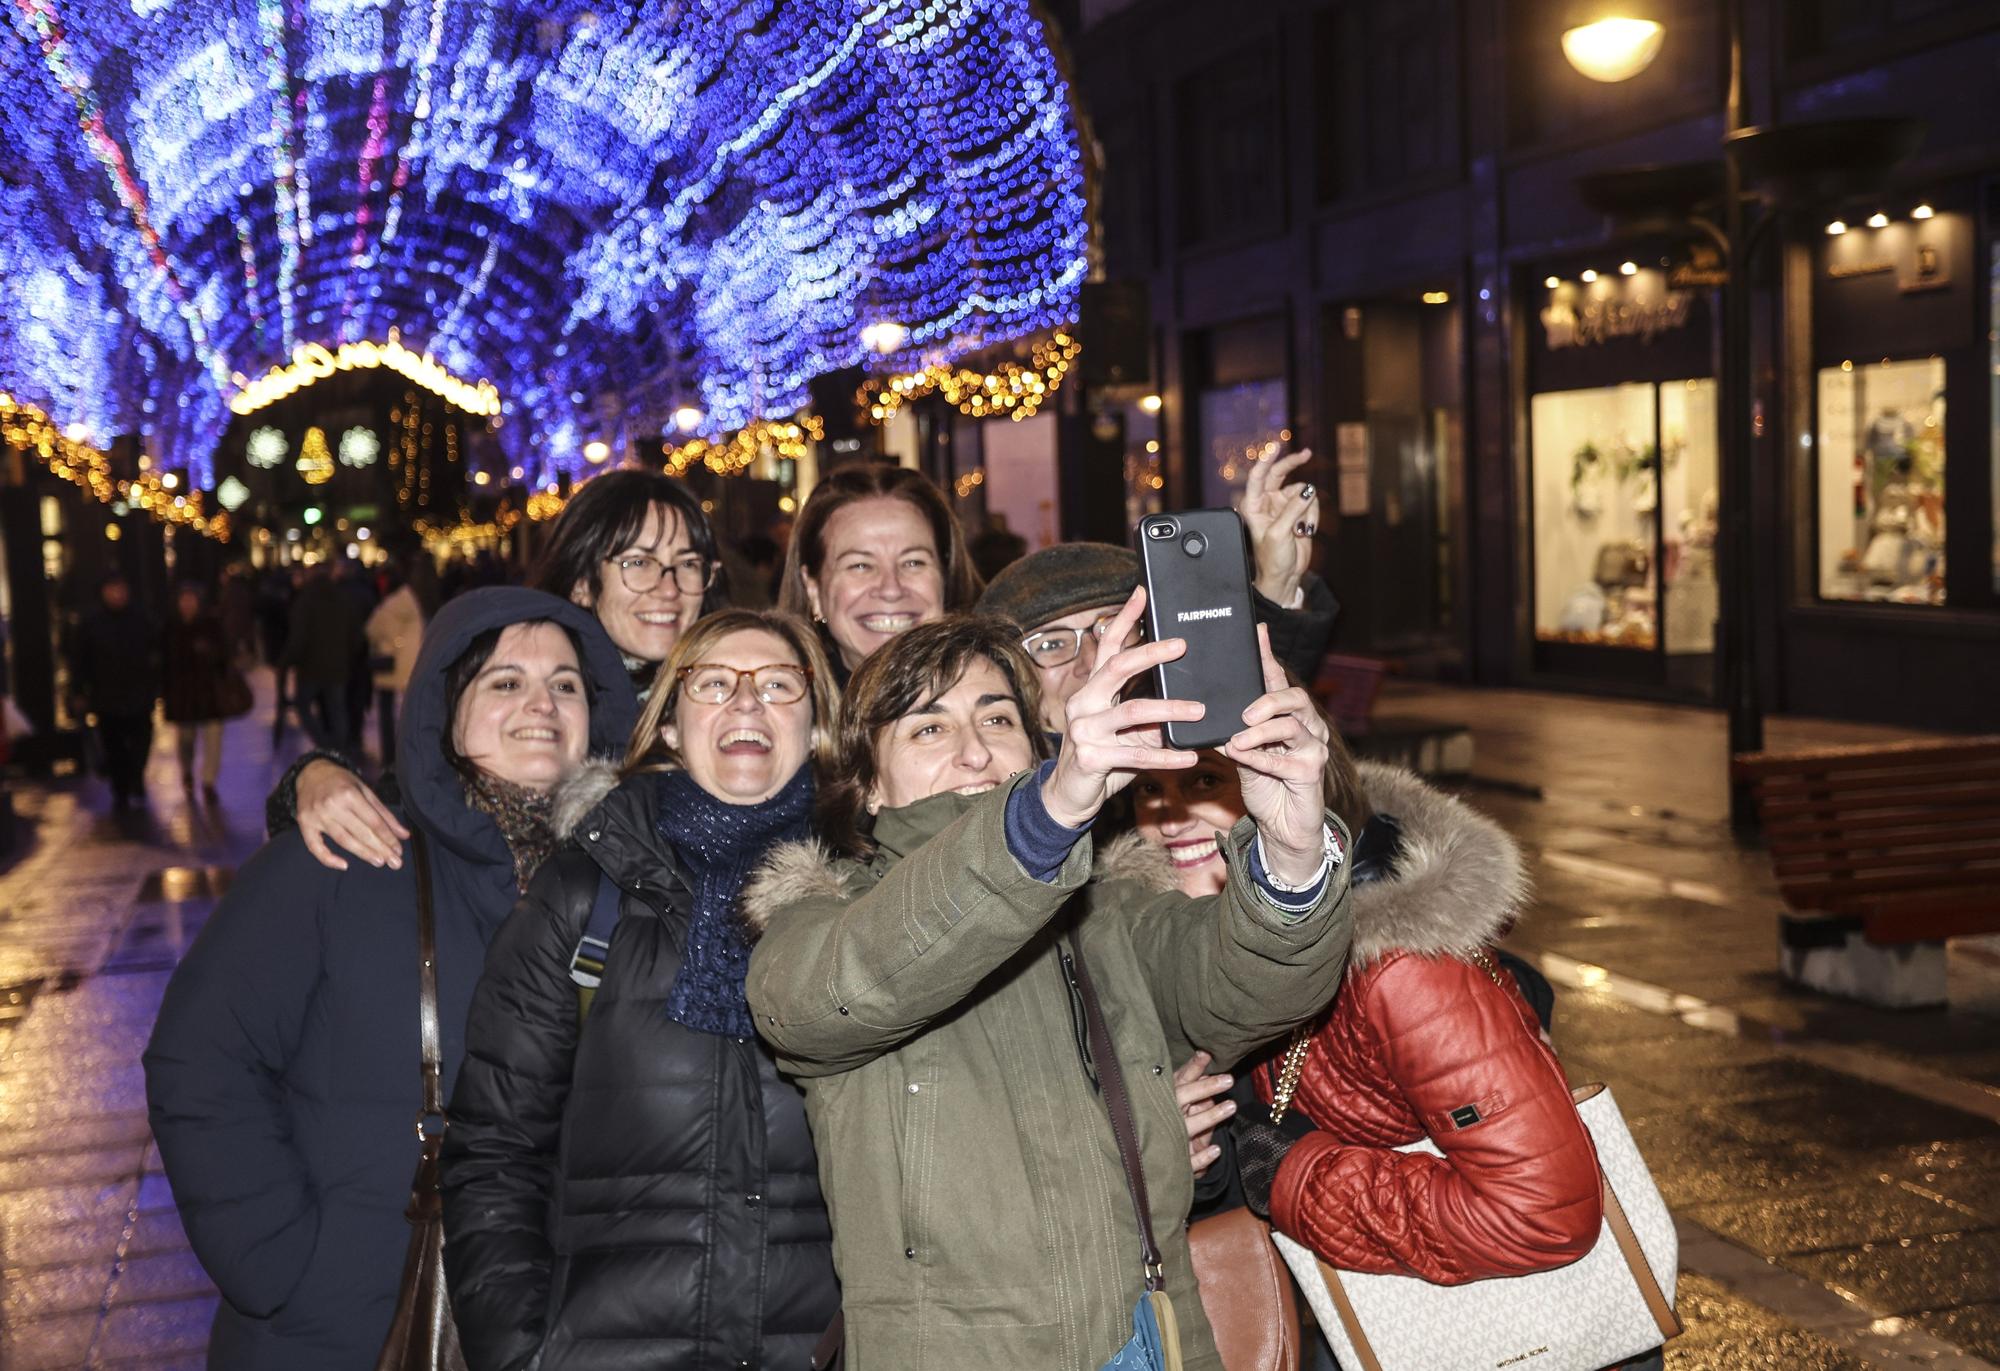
[(359, 447), (265, 448), (311, 362), (25, 426), (315, 458), (784, 438), (1011, 389), (558, 198)]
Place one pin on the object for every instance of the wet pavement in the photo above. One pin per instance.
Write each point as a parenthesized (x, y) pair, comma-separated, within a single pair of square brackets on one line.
[(1835, 1171)]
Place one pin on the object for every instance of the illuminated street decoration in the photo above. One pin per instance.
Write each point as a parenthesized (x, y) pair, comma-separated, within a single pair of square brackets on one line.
[(266, 448), (231, 494), (26, 426), (1011, 389), (359, 447), (702, 204), (315, 458), (311, 362)]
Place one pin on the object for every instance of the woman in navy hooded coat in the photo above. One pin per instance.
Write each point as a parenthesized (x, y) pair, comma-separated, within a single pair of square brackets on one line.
[(284, 1071)]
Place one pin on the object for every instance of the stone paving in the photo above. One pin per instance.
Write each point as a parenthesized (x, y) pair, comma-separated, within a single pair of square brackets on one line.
[(1835, 1171)]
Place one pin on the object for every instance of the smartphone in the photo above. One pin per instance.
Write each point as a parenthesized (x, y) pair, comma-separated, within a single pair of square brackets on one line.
[(1197, 569)]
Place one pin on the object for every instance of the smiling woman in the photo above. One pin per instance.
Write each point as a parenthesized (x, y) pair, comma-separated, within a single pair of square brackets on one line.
[(659, 1114), (283, 1071), (876, 552)]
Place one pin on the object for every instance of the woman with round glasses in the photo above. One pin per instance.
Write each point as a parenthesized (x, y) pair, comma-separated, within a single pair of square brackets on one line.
[(635, 549), (628, 1181)]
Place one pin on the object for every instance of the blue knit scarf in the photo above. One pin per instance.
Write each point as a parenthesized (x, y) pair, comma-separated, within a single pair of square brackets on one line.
[(720, 844)]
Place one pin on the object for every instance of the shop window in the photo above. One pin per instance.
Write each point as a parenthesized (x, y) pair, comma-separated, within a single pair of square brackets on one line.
[(1595, 460), (1239, 424), (1690, 498), (1881, 482)]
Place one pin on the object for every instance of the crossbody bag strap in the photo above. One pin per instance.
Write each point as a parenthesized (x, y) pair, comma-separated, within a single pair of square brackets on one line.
[(1118, 1104), (427, 990)]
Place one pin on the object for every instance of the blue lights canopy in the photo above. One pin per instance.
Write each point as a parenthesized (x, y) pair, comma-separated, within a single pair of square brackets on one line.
[(608, 210)]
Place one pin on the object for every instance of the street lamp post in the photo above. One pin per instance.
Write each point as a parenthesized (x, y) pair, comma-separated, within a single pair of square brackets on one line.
[(1813, 163), (1615, 47)]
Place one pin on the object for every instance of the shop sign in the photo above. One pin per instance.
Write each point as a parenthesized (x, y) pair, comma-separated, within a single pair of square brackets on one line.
[(1567, 323), (1703, 269)]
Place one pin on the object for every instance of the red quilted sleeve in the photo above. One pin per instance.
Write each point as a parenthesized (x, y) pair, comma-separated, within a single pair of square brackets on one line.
[(1517, 1189)]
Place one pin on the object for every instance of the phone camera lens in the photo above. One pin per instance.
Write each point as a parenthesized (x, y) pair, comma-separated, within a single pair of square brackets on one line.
[(1164, 529), (1194, 545)]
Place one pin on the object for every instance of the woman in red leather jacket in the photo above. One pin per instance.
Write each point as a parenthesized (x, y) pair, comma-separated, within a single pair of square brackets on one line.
[(1429, 1035)]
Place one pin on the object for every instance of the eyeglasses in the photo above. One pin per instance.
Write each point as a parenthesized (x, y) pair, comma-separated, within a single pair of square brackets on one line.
[(711, 683), (1048, 647), (640, 573)]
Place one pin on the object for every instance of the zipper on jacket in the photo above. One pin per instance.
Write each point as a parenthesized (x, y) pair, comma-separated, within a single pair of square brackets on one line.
[(1079, 1017)]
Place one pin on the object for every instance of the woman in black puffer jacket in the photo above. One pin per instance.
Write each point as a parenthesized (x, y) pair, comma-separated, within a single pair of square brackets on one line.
[(628, 1182)]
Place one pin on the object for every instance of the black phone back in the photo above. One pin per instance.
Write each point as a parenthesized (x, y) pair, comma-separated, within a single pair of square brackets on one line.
[(1197, 569)]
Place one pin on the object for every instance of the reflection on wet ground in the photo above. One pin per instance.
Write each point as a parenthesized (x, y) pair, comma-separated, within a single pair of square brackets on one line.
[(1835, 1170)]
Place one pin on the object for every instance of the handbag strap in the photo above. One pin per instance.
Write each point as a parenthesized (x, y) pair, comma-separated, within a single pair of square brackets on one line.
[(427, 992), (1118, 1104)]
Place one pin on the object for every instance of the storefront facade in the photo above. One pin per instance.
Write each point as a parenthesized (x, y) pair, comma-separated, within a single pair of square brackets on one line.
[(1361, 228)]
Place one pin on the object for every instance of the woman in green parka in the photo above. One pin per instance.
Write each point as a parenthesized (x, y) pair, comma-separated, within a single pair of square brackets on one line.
[(912, 978)]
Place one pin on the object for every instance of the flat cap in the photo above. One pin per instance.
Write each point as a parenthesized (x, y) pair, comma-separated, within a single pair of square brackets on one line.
[(1061, 580)]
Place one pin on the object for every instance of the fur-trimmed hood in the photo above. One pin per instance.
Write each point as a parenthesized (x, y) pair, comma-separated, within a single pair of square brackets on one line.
[(580, 794), (808, 870), (1458, 880)]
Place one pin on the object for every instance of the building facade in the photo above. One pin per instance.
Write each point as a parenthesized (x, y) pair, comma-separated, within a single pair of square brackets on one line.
[(1359, 227)]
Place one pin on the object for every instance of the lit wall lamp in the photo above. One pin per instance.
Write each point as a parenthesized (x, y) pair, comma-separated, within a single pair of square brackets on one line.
[(1587, 277), (1613, 48), (1922, 212), (1628, 268), (1552, 282), (1836, 228), (1437, 297), (1878, 220), (1150, 403)]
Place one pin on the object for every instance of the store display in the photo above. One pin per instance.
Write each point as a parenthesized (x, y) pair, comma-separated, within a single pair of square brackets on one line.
[(1881, 482), (1596, 487)]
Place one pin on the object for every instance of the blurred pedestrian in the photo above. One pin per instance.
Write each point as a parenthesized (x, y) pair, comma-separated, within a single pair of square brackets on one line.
[(358, 586), (284, 1071), (997, 547), (201, 686), (876, 552), (395, 630), (325, 635), (117, 668)]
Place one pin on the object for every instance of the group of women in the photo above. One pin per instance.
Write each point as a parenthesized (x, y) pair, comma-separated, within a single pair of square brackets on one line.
[(771, 948)]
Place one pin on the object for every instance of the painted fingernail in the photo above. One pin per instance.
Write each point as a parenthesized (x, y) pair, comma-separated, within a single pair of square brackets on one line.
[(1307, 492), (1300, 528)]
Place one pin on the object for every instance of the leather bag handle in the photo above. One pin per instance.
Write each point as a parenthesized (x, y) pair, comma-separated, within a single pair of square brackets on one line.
[(427, 993), (1118, 1104)]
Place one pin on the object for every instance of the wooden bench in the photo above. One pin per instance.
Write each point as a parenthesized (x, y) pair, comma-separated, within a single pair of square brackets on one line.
[(1881, 853)]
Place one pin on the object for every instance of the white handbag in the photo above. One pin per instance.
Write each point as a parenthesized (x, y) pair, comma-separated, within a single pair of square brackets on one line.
[(1614, 1303)]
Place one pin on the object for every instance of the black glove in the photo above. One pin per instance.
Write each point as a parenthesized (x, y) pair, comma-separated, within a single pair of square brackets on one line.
[(1260, 1149)]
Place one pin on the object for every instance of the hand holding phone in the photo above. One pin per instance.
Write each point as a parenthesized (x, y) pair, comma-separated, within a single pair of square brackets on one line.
[(1197, 575), (1110, 741)]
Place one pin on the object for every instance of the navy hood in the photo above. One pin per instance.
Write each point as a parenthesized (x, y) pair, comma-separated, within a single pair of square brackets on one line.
[(433, 793)]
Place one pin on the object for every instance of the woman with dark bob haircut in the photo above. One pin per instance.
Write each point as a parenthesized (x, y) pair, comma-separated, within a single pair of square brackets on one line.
[(632, 547), (924, 990), (876, 551)]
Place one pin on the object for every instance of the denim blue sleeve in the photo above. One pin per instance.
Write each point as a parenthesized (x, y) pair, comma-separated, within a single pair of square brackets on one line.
[(1290, 901), (1037, 841)]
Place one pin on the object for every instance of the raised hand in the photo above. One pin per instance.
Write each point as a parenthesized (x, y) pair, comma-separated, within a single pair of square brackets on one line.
[(1107, 742), (1280, 761), (1281, 521)]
